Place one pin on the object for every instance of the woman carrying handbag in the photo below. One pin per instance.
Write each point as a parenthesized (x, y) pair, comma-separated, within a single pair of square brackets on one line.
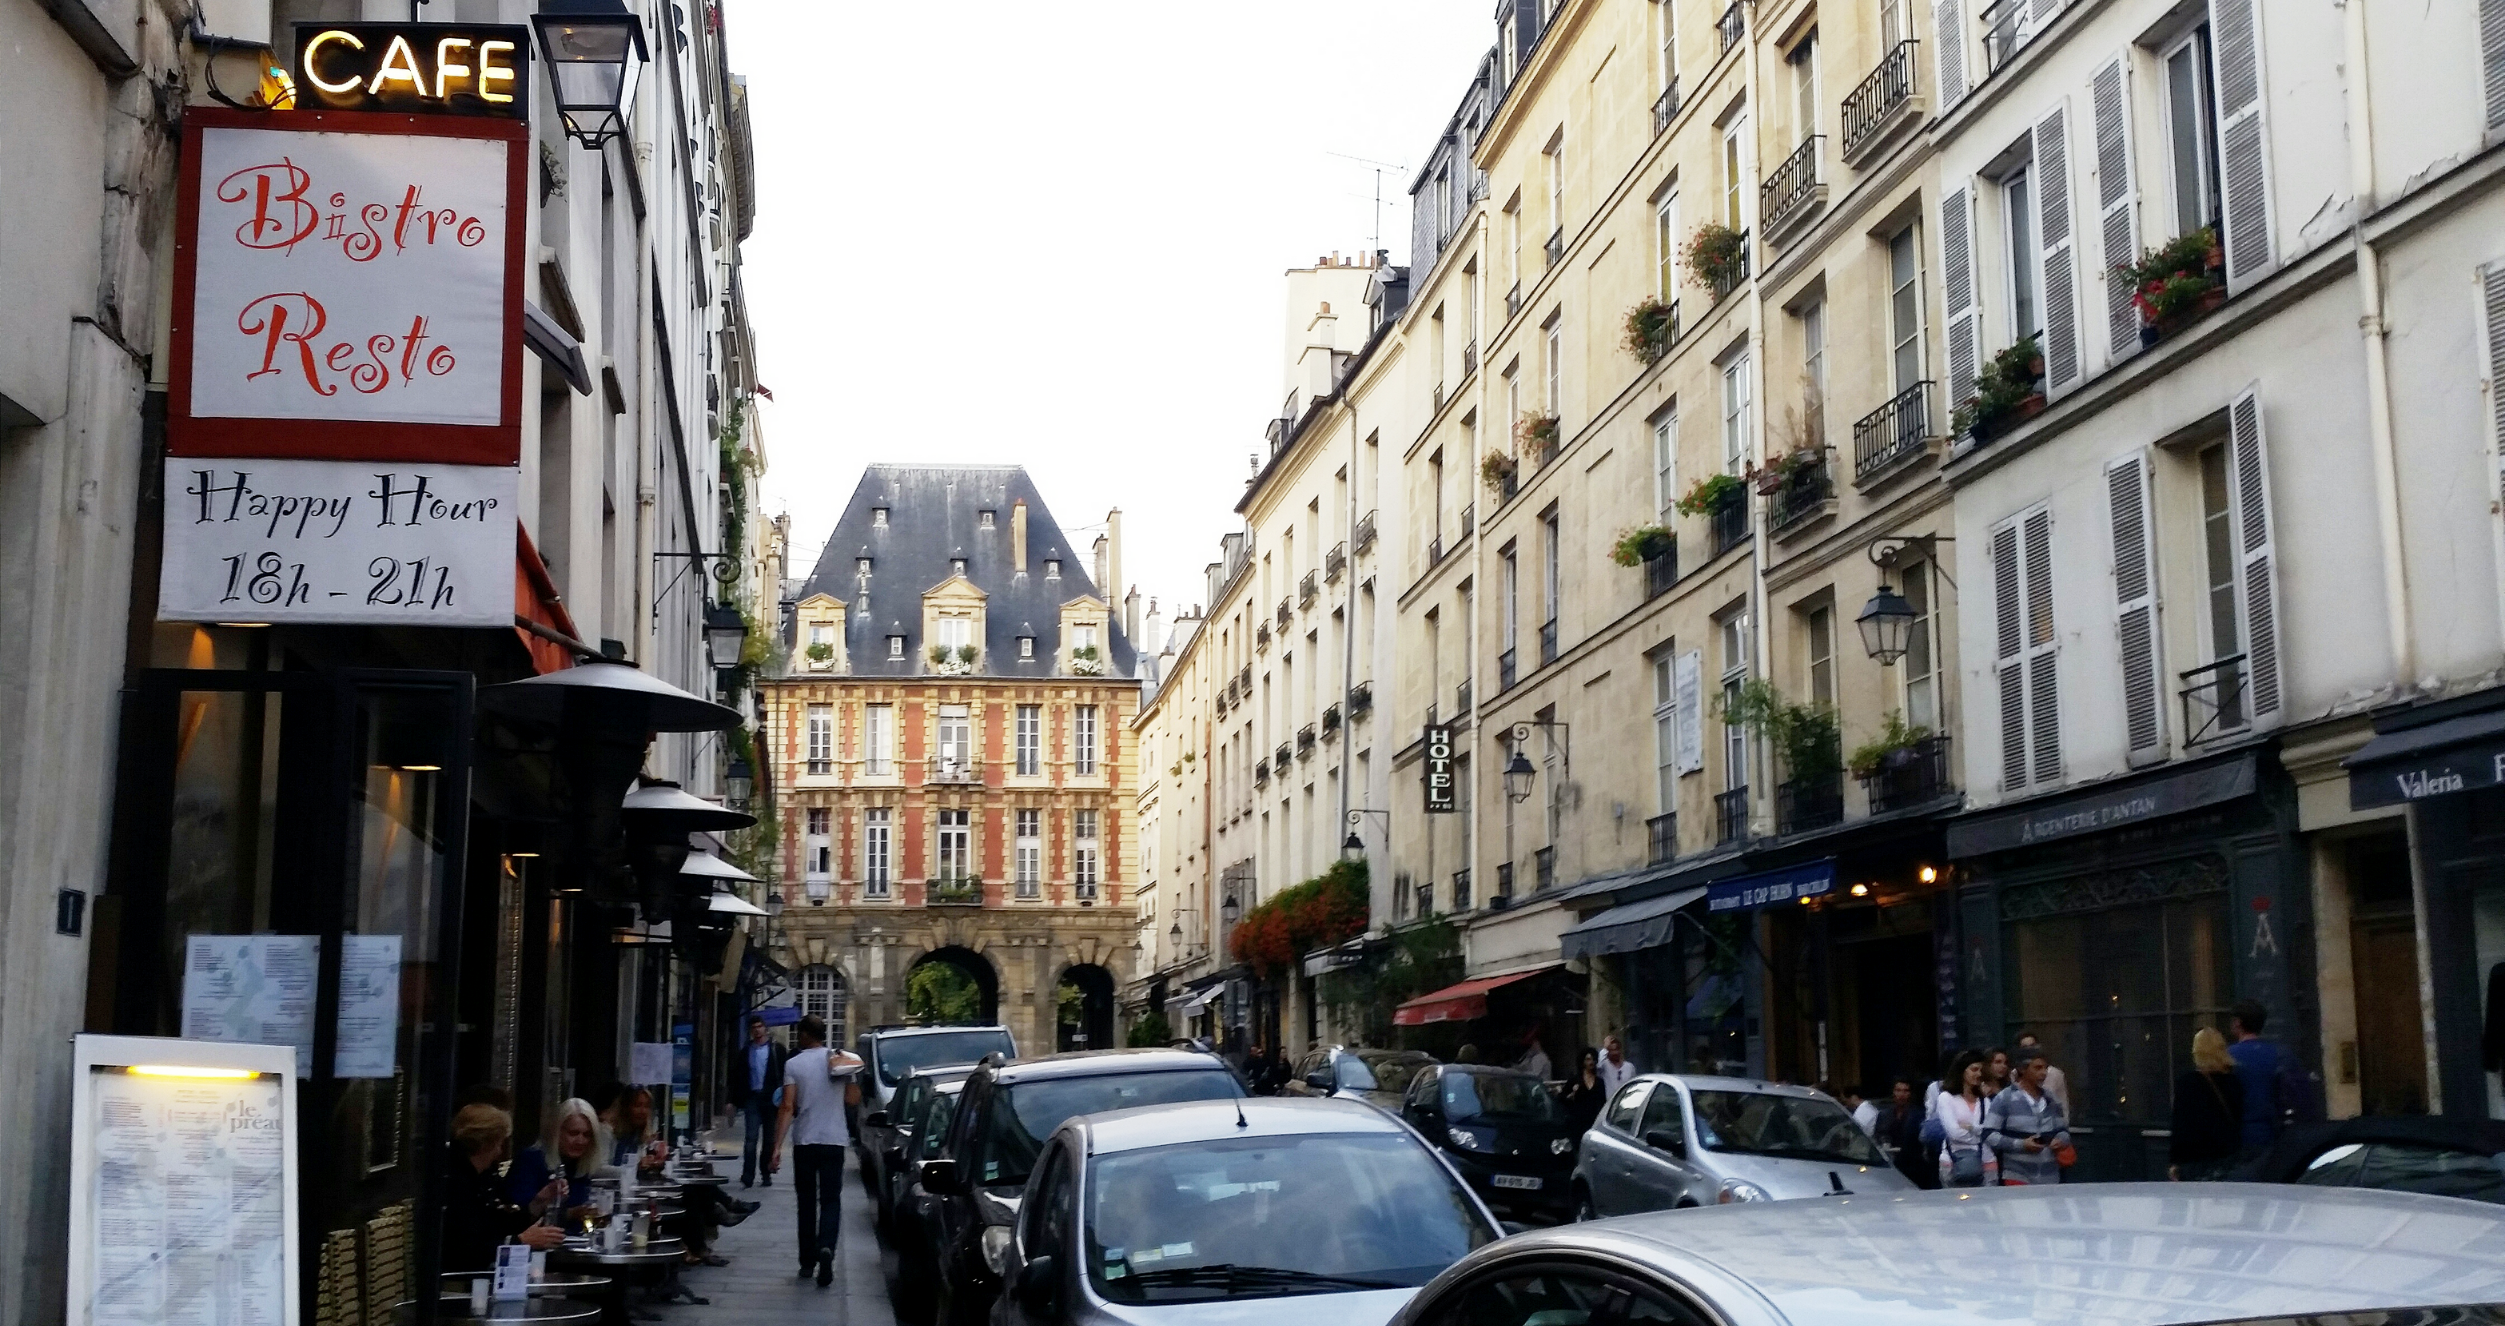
[(1965, 1162)]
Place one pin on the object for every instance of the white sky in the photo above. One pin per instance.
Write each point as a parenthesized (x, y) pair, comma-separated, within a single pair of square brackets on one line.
[(1054, 235)]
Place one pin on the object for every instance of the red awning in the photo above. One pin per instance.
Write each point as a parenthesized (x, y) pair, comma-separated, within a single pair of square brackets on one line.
[(535, 599), (1465, 1002)]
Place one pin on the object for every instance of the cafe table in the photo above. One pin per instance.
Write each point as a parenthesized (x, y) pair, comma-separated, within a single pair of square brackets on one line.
[(552, 1285), (535, 1311)]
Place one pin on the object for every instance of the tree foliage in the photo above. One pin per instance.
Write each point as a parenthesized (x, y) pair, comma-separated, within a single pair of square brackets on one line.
[(1330, 908), (939, 994)]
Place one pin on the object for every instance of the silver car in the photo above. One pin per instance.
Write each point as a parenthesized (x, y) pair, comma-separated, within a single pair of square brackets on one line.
[(2137, 1254), (1664, 1142), (1260, 1210)]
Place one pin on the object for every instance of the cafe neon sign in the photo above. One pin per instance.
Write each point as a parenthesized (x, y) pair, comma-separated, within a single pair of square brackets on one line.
[(434, 67)]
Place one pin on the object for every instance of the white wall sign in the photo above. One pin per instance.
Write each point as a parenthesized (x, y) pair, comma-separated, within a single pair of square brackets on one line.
[(338, 541)]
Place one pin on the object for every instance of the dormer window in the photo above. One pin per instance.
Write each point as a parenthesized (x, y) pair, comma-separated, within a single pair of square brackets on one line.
[(986, 519), (878, 517), (895, 646), (862, 565), (956, 565), (1084, 637), (1052, 568), (1026, 646), (956, 632), (821, 634)]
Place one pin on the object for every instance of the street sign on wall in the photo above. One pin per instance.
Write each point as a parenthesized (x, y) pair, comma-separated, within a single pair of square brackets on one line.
[(348, 285), (1441, 793)]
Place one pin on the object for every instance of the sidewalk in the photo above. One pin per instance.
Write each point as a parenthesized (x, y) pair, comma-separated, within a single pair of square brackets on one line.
[(762, 1285)]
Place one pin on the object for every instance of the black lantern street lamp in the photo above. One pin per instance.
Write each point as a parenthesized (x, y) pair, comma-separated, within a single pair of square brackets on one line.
[(1352, 846), (1518, 776), (738, 782), (726, 635), (1886, 622), (595, 50), (1229, 910)]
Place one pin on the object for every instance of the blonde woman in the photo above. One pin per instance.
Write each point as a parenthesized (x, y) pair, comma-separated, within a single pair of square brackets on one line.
[(570, 1154), (2208, 1113)]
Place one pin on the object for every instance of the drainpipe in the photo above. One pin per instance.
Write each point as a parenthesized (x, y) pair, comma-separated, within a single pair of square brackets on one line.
[(1761, 628), (2371, 327)]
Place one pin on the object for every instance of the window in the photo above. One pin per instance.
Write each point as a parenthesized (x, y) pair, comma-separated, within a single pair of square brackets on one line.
[(1552, 569), (1084, 635), (1820, 633), (955, 633), (956, 738), (2191, 126), (1435, 497), (878, 741), (1665, 1112), (1030, 740), (1904, 307), (1513, 599), (1086, 855), (878, 517), (862, 565), (1623, 1108), (1083, 740), (956, 846), (1734, 172), (1666, 465), (878, 846), (1556, 365), (1666, 242), (1026, 646), (821, 729), (1030, 853), (821, 994), (2223, 576), (1804, 63), (1665, 734), (986, 519), (1922, 682), (1734, 630), (1735, 414), (1052, 568), (1813, 342), (2027, 663), (1895, 24), (821, 633), (1513, 392), (895, 646), (820, 850), (1669, 20), (1554, 159), (2018, 211)]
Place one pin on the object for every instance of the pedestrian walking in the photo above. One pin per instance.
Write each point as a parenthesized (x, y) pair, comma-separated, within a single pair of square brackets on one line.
[(1995, 1071), (2208, 1124), (1585, 1092), (2025, 1125), (2263, 1067), (1615, 1067), (1534, 1059), (1899, 1130), (818, 1083), (1965, 1162), (757, 1093), (2056, 1082)]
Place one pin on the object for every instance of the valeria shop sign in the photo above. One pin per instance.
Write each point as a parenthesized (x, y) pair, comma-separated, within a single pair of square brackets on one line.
[(348, 285)]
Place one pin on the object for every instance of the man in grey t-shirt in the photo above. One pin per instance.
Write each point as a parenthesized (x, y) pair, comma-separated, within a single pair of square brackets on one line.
[(817, 1084)]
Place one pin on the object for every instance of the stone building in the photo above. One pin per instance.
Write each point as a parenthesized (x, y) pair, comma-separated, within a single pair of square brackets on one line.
[(949, 753)]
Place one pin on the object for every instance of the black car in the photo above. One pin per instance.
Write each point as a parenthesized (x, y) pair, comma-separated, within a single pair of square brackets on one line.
[(1004, 1113), (1377, 1077), (914, 1228), (2407, 1153), (897, 1126), (1503, 1130), (890, 1054)]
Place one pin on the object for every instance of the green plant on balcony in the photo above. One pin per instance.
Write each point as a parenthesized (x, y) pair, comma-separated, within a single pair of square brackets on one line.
[(820, 652), (1641, 544), (1496, 469), (1806, 738), (940, 653), (1788, 468), (1331, 908), (1536, 432), (1651, 325), (1085, 661), (2010, 388), (1895, 736), (1711, 495), (1716, 257), (2176, 282), (966, 654)]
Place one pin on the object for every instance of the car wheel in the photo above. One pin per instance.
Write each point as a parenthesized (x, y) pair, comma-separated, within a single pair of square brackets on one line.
[(1583, 1208)]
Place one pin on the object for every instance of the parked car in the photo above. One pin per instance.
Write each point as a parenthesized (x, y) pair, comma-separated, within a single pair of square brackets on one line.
[(1004, 1113), (1502, 1130), (913, 1229), (1199, 1213), (898, 1125), (2428, 1154), (2148, 1254), (890, 1054), (1377, 1077), (1667, 1141)]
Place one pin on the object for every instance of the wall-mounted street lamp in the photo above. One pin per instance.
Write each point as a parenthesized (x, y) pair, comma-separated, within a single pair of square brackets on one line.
[(1355, 846), (1887, 620), (595, 51), (1518, 776), (726, 635), (739, 782), (1229, 910), (1519, 771)]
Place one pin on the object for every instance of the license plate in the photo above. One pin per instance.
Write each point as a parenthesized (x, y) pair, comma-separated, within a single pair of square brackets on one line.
[(1514, 1181)]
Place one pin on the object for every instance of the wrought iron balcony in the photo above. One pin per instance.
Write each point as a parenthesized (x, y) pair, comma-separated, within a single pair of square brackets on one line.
[(1730, 814), (953, 891), (1430, 713), (1503, 896), (1731, 27), (1286, 614), (1261, 771), (1422, 899), (1661, 838), (1809, 803), (2005, 33), (1364, 534), (1548, 642), (1892, 434), (1335, 562), (1544, 869), (1513, 301), (1435, 399), (1360, 698), (1308, 589), (1305, 738), (1804, 495), (1461, 890), (1461, 700), (1730, 527), (1469, 517), (1243, 682), (1884, 101), (1506, 674), (1470, 358), (1725, 280), (1909, 776), (1661, 572), (1435, 550), (1261, 637), (1280, 758), (1555, 248), (1330, 719), (1666, 108), (960, 769), (1792, 193), (2213, 700)]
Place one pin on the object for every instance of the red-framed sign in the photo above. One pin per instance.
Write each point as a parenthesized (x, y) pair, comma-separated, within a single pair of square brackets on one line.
[(348, 285)]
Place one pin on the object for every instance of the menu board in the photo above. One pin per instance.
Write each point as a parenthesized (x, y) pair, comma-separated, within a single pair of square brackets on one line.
[(186, 1208), (255, 989), (369, 1006)]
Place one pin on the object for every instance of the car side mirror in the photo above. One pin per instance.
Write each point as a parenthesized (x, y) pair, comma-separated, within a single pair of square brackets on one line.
[(1663, 1139), (1039, 1284), (874, 1119), (940, 1176)]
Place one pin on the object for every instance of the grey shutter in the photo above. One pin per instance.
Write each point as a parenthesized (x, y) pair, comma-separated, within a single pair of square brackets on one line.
[(2043, 653), (2135, 605), (2492, 339), (2243, 145), (2492, 58), (2117, 203), (1965, 316), (2256, 551), (1949, 18), (2010, 660), (2062, 370)]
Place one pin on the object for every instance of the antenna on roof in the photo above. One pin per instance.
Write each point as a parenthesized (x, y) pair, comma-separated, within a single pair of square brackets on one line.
[(1379, 168), (1239, 1113)]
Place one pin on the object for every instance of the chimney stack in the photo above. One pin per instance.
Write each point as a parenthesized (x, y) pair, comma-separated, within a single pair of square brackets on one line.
[(1017, 537), (1130, 616), (1113, 557)]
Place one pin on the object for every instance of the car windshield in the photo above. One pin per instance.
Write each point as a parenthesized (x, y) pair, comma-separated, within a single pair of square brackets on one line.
[(1498, 1096), (1022, 1116), (1765, 1124), (1258, 1217), (1378, 1072), (935, 1125), (899, 1056)]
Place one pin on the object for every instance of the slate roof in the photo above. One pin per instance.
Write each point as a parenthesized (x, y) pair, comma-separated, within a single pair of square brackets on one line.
[(933, 516)]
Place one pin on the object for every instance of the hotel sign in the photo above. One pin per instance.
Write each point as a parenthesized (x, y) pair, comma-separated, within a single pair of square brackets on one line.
[(1442, 790)]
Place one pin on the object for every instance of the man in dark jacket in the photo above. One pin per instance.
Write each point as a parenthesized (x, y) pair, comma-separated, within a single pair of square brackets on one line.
[(1900, 1131), (757, 1090)]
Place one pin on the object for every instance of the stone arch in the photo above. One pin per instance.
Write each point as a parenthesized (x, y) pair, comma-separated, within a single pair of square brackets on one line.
[(1097, 995), (973, 963)]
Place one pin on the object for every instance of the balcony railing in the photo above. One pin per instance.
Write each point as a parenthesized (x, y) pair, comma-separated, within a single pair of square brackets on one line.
[(1506, 675), (1666, 108), (1286, 614), (1513, 301), (955, 769), (1731, 27), (1330, 719), (1730, 815), (1555, 248), (1661, 838), (2005, 32), (1892, 433), (1461, 700), (1305, 737), (1364, 534), (819, 768), (1730, 527), (1804, 494), (1548, 642), (1470, 358), (1503, 897), (1279, 759), (1261, 771), (1335, 563), (1435, 550), (1881, 102), (1261, 637), (1360, 698), (2213, 700), (1908, 777), (1544, 869), (1661, 572), (1461, 890), (1422, 899), (1725, 280), (1788, 193), (953, 892), (1469, 517), (1435, 399), (1809, 803), (1243, 682), (1308, 589)]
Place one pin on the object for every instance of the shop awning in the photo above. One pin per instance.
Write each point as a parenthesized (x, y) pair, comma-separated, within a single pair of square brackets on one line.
[(2412, 764), (1766, 888), (1624, 929), (1189, 1005), (1460, 1003), (535, 600)]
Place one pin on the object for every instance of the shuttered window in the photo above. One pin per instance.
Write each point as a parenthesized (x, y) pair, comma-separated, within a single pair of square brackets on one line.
[(2028, 658), (1957, 282), (2117, 202), (1949, 16), (2258, 553), (2492, 58), (2243, 143), (2135, 606), (2492, 291), (2059, 290)]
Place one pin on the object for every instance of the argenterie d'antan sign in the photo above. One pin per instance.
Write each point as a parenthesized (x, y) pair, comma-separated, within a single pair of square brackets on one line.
[(428, 68)]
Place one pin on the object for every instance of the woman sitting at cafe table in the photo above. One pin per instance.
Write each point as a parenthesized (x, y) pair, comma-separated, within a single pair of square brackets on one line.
[(478, 1217), (571, 1154)]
